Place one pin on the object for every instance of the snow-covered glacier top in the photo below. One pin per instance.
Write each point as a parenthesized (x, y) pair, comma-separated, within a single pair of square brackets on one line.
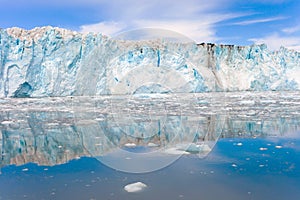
[(51, 61)]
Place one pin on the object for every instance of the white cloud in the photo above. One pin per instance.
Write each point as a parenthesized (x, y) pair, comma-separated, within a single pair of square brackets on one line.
[(271, 1), (255, 21), (275, 41), (197, 30), (291, 30), (53, 3), (107, 28), (194, 18), (161, 9)]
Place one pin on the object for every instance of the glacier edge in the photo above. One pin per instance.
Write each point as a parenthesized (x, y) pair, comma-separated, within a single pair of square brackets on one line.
[(51, 61)]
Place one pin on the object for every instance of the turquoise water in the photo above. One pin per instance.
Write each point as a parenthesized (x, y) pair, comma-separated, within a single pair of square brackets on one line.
[(228, 172), (200, 146)]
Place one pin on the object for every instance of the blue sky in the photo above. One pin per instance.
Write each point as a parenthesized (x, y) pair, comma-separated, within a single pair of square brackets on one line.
[(239, 22)]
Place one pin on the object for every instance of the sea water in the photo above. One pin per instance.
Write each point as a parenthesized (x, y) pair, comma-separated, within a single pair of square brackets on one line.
[(192, 146)]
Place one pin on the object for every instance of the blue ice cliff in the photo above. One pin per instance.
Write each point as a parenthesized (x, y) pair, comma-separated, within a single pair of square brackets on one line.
[(51, 61)]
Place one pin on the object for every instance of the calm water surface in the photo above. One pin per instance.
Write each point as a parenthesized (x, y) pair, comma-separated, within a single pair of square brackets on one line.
[(66, 148)]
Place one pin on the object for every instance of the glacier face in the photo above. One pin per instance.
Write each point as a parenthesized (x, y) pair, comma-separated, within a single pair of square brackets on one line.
[(51, 61)]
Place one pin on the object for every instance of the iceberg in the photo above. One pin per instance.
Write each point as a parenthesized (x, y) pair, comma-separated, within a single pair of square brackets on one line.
[(48, 61), (135, 187)]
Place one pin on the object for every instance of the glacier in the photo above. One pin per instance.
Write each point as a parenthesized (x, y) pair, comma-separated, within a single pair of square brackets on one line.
[(48, 62)]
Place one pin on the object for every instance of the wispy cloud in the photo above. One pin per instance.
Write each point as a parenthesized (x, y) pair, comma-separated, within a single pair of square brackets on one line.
[(199, 20), (275, 41), (107, 28), (197, 30), (291, 30), (200, 30), (196, 19), (53, 3), (256, 21), (271, 1)]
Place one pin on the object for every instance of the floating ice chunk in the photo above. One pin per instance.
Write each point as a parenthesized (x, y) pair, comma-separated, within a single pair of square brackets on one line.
[(239, 144), (263, 149), (203, 148), (234, 165), (150, 144), (251, 112), (195, 148), (99, 119), (176, 151), (206, 148), (185, 149), (53, 124), (135, 187), (278, 147), (6, 122), (247, 102), (130, 145)]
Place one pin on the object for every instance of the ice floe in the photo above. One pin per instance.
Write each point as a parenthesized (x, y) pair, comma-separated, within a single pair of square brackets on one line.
[(135, 187)]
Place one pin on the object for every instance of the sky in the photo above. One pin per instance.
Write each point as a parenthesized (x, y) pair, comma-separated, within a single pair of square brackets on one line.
[(239, 22)]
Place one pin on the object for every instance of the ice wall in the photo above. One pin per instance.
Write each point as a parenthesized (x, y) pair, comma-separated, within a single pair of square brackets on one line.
[(51, 61)]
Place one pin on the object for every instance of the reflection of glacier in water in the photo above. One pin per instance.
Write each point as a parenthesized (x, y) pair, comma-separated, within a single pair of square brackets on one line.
[(141, 134), (52, 131)]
